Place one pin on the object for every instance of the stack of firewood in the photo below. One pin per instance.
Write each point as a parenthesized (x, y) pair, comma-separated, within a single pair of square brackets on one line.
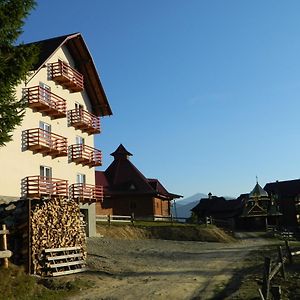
[(55, 223)]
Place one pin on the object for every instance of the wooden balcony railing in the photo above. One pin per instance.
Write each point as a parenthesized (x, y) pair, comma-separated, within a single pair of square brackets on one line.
[(65, 75), (37, 186), (85, 155), (86, 193), (46, 102), (42, 141), (83, 120)]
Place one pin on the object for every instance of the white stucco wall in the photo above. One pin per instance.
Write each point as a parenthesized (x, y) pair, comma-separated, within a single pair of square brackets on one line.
[(16, 164)]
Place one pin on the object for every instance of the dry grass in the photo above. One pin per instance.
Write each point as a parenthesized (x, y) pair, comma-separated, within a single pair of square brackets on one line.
[(170, 232)]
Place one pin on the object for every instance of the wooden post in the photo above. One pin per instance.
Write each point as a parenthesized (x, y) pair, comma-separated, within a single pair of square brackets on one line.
[(266, 279), (108, 219), (280, 256), (289, 253), (261, 294), (4, 245), (276, 292), (132, 218), (29, 236)]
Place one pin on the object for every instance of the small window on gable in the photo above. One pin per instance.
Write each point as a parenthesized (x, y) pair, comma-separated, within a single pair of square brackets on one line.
[(132, 187)]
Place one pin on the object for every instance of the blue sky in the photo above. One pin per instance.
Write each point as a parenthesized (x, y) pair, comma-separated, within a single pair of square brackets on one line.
[(205, 94)]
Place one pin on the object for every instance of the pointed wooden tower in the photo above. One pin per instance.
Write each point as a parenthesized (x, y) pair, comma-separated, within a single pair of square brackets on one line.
[(127, 191)]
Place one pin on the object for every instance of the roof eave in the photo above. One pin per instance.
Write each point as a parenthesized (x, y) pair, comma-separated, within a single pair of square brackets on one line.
[(78, 48)]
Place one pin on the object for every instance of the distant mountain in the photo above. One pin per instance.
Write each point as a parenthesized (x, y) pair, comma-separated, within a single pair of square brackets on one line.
[(193, 198), (184, 206)]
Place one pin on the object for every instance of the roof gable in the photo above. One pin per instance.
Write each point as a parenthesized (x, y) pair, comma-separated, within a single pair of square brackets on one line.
[(123, 177), (84, 64), (121, 174)]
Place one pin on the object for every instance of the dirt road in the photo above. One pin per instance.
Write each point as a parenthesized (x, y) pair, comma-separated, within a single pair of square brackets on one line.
[(159, 269)]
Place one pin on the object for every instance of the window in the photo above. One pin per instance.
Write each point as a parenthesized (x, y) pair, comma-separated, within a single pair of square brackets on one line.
[(132, 205), (45, 126), (46, 184), (80, 178), (45, 172), (79, 140), (45, 92), (45, 134), (78, 106)]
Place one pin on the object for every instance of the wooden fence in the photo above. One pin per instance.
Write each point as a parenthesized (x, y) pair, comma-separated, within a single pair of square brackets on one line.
[(283, 234), (270, 270), (4, 253), (131, 219), (114, 219)]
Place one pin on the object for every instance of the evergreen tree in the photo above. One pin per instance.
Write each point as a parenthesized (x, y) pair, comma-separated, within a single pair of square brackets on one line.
[(15, 63)]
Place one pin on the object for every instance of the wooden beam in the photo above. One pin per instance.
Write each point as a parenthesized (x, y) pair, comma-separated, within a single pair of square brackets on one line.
[(5, 254), (64, 256), (66, 264), (69, 272), (62, 249), (4, 231)]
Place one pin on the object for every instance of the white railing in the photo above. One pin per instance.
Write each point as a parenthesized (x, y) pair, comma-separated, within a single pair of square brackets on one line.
[(114, 219)]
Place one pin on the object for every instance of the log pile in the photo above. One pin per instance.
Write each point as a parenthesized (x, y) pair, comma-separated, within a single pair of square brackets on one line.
[(55, 223)]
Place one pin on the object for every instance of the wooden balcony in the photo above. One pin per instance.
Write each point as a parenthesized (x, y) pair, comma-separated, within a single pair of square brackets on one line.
[(45, 102), (86, 193), (38, 186), (45, 142), (83, 120), (85, 155), (66, 76)]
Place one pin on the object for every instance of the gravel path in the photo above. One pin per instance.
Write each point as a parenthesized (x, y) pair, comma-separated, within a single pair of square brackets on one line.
[(160, 269)]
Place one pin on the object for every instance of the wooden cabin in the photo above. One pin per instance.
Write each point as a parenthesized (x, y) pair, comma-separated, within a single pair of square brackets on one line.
[(127, 191), (218, 208), (287, 194), (253, 211), (260, 210)]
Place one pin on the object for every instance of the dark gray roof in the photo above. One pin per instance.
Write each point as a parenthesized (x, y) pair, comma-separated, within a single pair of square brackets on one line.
[(258, 192)]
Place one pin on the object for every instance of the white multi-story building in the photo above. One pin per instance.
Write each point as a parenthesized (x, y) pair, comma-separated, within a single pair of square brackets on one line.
[(52, 152)]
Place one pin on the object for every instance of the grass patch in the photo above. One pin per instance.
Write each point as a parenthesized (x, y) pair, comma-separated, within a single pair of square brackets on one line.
[(15, 284)]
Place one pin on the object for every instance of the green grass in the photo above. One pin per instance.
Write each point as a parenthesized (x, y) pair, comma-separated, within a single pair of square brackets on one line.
[(15, 284)]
